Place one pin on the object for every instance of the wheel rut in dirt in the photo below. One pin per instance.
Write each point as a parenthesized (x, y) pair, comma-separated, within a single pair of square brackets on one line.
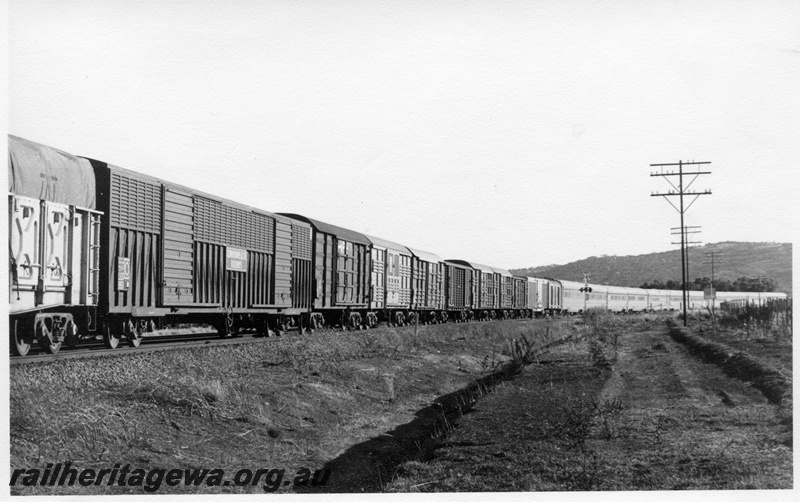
[(659, 419)]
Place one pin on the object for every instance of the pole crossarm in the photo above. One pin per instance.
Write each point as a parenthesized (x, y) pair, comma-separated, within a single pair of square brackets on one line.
[(679, 174), (673, 194), (682, 164)]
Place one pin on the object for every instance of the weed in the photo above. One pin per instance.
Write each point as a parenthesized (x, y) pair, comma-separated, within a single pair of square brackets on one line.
[(598, 357), (583, 475)]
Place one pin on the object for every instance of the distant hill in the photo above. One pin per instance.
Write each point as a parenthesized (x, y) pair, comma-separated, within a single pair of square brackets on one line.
[(739, 259)]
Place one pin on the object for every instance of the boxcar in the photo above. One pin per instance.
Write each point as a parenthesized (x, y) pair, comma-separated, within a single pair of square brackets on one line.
[(506, 283), (342, 269), (427, 295), (485, 290), (391, 283), (174, 252), (54, 246), (521, 297), (544, 296), (458, 287), (535, 292)]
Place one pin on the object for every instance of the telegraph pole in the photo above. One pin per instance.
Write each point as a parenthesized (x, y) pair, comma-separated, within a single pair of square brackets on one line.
[(713, 292), (680, 191), (687, 240)]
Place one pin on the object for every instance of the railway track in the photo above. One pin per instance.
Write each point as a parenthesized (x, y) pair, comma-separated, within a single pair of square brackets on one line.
[(158, 343), (150, 344)]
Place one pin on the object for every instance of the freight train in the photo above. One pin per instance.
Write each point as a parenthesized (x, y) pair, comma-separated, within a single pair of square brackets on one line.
[(98, 250)]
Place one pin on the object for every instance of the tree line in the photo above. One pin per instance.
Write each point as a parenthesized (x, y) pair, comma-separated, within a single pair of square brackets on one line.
[(754, 285)]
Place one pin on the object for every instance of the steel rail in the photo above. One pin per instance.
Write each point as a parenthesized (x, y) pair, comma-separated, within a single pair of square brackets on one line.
[(94, 349), (150, 344)]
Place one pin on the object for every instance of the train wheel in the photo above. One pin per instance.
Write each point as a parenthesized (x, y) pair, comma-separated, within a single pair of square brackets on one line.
[(110, 340), (45, 337), (317, 322), (70, 335), (306, 328), (22, 340), (224, 326), (263, 328), (135, 331)]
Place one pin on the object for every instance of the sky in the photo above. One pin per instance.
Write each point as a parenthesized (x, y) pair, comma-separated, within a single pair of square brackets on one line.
[(509, 133)]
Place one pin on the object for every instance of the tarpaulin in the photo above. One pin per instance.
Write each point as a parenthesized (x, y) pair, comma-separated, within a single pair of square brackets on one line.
[(45, 173)]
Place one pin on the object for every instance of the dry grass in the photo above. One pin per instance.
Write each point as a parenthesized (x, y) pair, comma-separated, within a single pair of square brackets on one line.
[(296, 403)]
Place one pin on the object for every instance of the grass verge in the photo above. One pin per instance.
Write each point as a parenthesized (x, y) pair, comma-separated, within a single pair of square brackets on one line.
[(298, 403)]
